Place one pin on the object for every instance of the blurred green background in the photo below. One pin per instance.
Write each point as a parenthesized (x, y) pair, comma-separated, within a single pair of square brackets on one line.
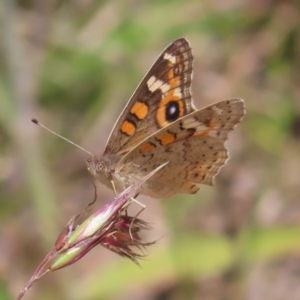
[(73, 65)]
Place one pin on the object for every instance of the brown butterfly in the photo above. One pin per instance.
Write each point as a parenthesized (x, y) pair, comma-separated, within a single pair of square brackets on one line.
[(161, 124)]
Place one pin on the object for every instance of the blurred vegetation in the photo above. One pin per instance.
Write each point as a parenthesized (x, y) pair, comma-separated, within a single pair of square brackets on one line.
[(73, 65)]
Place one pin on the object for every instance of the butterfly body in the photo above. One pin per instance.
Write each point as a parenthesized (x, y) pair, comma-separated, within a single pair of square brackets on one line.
[(160, 124)]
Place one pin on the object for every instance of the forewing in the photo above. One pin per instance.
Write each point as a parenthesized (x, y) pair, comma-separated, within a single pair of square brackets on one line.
[(162, 97)]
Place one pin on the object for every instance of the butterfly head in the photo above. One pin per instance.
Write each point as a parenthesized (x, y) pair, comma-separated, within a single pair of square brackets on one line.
[(100, 168)]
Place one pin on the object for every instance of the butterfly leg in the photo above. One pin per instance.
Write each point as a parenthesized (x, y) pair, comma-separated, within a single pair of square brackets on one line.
[(114, 187), (135, 217), (89, 206)]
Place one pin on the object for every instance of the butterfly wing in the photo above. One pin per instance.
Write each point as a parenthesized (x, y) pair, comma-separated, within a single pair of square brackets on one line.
[(163, 96), (193, 146)]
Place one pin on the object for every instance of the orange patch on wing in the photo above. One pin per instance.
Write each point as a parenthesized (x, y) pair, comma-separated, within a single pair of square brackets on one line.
[(173, 81), (161, 117), (161, 112), (180, 67), (140, 110), (147, 147), (128, 128), (166, 138)]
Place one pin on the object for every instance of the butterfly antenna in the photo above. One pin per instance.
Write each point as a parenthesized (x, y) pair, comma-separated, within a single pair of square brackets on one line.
[(35, 121)]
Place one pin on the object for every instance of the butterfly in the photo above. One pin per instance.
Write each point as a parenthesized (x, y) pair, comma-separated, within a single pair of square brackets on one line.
[(160, 124)]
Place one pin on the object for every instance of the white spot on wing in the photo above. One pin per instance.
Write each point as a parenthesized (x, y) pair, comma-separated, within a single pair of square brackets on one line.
[(187, 121), (219, 111), (170, 58), (155, 84), (213, 133), (192, 123), (201, 128), (150, 81), (177, 92), (165, 88)]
